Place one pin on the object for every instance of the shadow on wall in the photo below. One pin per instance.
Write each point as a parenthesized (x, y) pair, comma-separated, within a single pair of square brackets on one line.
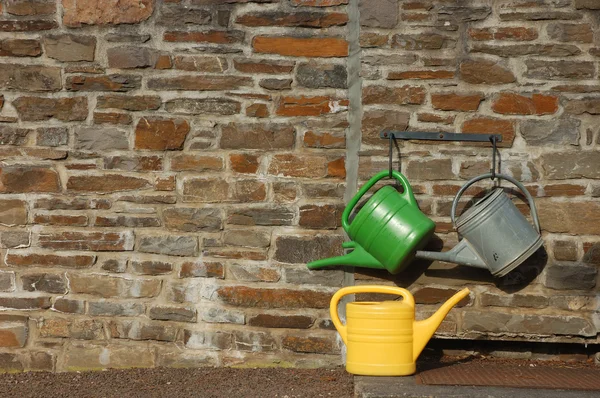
[(513, 282)]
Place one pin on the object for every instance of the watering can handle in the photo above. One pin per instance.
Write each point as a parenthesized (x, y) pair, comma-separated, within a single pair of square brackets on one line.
[(407, 194), (333, 305), (534, 215)]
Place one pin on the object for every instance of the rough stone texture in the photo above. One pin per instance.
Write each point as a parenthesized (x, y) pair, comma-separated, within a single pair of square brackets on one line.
[(555, 132), (95, 12), (169, 168), (70, 48)]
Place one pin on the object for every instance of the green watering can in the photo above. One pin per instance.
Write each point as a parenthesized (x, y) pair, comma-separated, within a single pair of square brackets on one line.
[(388, 217)]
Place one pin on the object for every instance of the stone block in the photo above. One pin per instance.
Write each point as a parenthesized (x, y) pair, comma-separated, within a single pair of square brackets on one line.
[(43, 282), (169, 245), (266, 216), (160, 134), (23, 179), (177, 314), (112, 286), (222, 315), (94, 12), (571, 165), (313, 75), (568, 276), (63, 109), (30, 77), (254, 273), (200, 106), (379, 13), (281, 321), (70, 48), (242, 296), (78, 357), (204, 269), (565, 131), (322, 47), (137, 330)]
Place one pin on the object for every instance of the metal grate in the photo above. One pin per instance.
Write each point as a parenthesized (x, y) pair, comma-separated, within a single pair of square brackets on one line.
[(526, 376)]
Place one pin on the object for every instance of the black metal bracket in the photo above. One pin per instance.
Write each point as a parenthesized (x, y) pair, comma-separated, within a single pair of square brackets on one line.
[(418, 135)]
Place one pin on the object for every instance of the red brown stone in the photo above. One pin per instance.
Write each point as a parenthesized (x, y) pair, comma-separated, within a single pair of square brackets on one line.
[(159, 134), (516, 104), (273, 298), (96, 12), (20, 179), (456, 101), (301, 47)]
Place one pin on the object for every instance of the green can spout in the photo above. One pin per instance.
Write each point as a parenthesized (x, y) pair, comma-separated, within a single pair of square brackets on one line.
[(356, 258)]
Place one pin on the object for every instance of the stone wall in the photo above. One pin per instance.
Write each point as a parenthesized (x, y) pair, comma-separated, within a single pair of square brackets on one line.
[(527, 70), (169, 167)]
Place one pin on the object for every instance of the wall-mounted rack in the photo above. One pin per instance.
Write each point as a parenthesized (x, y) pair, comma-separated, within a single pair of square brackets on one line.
[(418, 135)]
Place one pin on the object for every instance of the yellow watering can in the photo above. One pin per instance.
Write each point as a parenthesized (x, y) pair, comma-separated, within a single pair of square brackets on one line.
[(383, 338)]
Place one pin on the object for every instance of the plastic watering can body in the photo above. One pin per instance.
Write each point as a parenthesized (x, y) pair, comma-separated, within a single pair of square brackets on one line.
[(386, 232), (383, 338), (495, 234)]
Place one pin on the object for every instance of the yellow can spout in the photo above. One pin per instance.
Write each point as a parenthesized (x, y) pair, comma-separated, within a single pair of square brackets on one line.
[(423, 330)]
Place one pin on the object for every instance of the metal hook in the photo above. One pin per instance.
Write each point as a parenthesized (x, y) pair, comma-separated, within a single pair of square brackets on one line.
[(390, 154), (494, 149)]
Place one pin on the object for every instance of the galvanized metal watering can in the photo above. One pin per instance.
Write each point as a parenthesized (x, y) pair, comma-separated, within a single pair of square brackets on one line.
[(496, 236), (389, 231), (386, 232), (383, 338)]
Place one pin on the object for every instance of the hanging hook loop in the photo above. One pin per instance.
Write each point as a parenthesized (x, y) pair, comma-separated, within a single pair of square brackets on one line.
[(493, 139), (390, 153)]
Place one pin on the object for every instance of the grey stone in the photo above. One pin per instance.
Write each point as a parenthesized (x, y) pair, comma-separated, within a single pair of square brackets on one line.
[(311, 75), (566, 276), (497, 322), (303, 276), (129, 57), (136, 330), (107, 308), (126, 37), (247, 238), (99, 139), (244, 340), (580, 106), (13, 239), (52, 136), (30, 77), (177, 314), (303, 249), (114, 265), (215, 340), (222, 315), (13, 136), (551, 132), (568, 165), (7, 281), (587, 4), (513, 300), (193, 219), (517, 50), (389, 59), (558, 70), (422, 41), (201, 106), (575, 302), (379, 13), (276, 84), (43, 282), (181, 15), (169, 245), (261, 216), (458, 14), (70, 48), (323, 190)]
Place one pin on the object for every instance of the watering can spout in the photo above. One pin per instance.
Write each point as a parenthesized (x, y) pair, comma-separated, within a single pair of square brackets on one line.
[(423, 330), (462, 254), (357, 257)]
